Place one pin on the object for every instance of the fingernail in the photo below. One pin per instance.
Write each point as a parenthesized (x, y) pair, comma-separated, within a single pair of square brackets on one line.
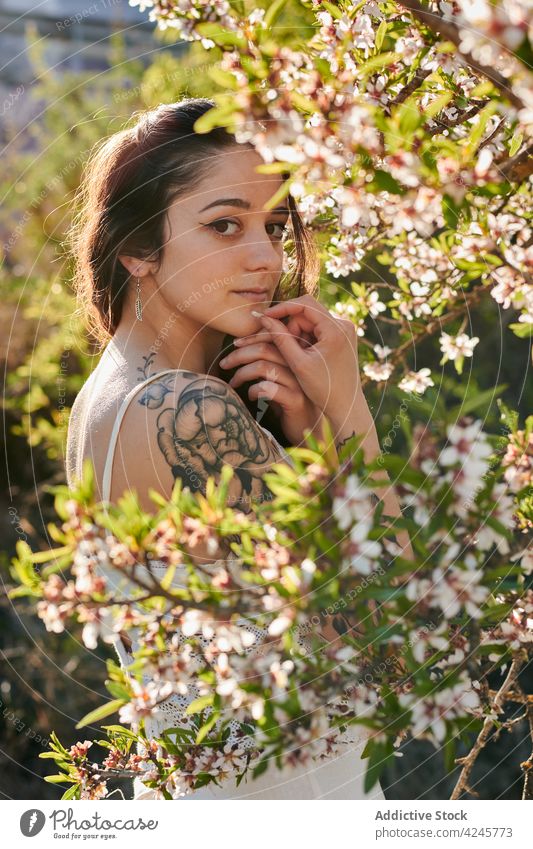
[(240, 341), (224, 362), (257, 314)]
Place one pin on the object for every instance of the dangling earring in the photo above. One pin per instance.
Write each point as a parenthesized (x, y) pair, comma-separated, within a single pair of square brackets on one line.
[(138, 302)]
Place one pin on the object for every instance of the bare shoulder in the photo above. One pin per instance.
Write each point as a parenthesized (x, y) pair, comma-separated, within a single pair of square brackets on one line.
[(187, 426)]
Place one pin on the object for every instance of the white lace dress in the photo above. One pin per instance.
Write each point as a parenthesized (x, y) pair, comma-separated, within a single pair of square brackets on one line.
[(339, 776)]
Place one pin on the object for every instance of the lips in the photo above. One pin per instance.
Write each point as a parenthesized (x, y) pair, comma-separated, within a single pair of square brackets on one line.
[(254, 294)]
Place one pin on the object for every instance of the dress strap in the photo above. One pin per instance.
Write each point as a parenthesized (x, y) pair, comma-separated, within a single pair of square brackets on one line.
[(108, 468)]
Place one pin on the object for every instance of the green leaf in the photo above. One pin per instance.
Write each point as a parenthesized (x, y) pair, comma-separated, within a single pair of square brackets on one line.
[(377, 62), (221, 36), (225, 79), (119, 691), (380, 35), (199, 705), (437, 105), (379, 756), (57, 779), (385, 182), (479, 128), (516, 141), (409, 117), (334, 10), (451, 211), (118, 729), (262, 765), (273, 12), (72, 792), (217, 116), (206, 728), (56, 756), (101, 712), (522, 329), (449, 754), (276, 167), (475, 401), (278, 196)]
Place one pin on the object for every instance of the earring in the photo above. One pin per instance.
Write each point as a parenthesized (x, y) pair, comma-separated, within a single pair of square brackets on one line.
[(138, 302)]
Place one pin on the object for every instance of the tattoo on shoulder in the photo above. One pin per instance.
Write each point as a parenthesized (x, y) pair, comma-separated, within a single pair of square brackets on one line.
[(207, 427)]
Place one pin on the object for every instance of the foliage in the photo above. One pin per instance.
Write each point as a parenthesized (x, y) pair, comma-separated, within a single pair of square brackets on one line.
[(420, 636)]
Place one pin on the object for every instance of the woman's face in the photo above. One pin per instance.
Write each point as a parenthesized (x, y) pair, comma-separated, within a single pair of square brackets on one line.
[(220, 244)]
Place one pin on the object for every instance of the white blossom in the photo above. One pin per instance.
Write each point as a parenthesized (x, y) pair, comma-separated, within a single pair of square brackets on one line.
[(458, 346), (416, 381)]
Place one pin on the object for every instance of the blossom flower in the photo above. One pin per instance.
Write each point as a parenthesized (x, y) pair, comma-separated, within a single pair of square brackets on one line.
[(518, 629), (451, 591), (145, 701), (53, 615), (503, 511), (526, 560), (382, 351), (99, 623), (469, 447), (363, 552), (457, 346), (352, 505), (416, 381), (430, 712), (378, 371), (518, 461)]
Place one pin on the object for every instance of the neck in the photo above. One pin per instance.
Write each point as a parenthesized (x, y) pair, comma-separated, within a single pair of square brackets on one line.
[(170, 342)]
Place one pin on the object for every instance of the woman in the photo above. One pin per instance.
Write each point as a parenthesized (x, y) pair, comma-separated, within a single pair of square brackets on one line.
[(176, 258)]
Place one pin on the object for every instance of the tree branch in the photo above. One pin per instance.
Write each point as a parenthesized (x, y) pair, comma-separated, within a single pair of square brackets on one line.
[(450, 32), (499, 701)]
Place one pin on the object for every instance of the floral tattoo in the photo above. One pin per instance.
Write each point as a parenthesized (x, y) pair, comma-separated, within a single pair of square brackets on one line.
[(208, 427)]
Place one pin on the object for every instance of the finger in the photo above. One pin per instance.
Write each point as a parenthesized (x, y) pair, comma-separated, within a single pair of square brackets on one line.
[(315, 314), (249, 353), (301, 329), (305, 305), (299, 324), (260, 336), (295, 356), (272, 392), (267, 371)]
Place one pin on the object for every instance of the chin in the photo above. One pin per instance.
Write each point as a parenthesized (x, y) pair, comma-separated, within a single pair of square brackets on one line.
[(245, 323)]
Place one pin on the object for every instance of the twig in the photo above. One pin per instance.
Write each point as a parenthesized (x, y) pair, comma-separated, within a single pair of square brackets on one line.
[(411, 87), (470, 759), (520, 166), (464, 115)]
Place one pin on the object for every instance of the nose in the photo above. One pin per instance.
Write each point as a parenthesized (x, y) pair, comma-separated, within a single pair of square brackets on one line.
[(261, 253)]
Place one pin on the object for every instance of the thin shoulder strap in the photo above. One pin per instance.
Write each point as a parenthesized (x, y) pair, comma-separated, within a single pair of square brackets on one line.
[(108, 468)]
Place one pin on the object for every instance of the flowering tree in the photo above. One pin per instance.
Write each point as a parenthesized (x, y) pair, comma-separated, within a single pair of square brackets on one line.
[(406, 131), (243, 639)]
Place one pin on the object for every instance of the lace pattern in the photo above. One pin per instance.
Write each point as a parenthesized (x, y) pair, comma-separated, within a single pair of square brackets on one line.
[(171, 712)]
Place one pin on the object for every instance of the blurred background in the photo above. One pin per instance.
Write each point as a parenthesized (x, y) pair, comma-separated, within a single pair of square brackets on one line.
[(72, 73)]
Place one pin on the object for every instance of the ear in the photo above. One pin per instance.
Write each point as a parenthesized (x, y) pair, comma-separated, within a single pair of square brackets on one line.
[(135, 266)]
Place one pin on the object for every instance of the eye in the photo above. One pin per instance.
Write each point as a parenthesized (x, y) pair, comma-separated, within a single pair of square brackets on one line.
[(283, 230), (221, 223)]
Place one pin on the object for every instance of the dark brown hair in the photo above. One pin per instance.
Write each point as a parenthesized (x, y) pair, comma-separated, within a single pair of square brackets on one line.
[(130, 180)]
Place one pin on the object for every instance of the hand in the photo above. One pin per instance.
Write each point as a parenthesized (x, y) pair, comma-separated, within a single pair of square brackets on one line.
[(319, 349), (278, 384)]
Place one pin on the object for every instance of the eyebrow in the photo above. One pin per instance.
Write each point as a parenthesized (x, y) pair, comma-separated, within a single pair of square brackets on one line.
[(242, 204)]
